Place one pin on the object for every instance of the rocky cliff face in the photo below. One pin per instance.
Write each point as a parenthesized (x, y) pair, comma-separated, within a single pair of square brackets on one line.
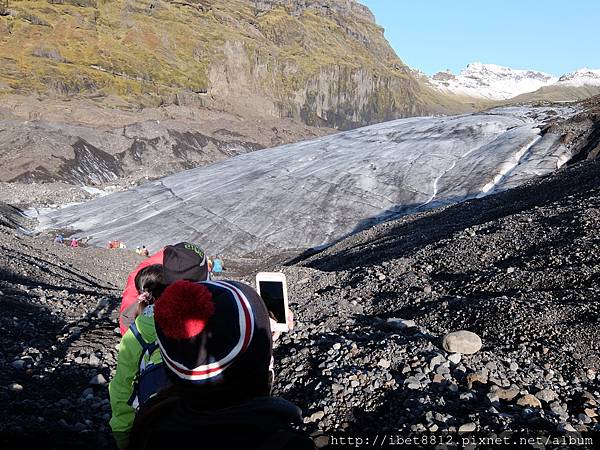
[(324, 62), (80, 143)]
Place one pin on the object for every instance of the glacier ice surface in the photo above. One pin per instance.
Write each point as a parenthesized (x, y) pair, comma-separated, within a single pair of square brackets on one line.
[(312, 193)]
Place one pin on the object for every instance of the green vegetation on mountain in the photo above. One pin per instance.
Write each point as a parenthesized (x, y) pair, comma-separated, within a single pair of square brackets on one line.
[(324, 61)]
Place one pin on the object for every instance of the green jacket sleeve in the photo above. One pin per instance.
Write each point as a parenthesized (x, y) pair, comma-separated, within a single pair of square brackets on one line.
[(120, 388)]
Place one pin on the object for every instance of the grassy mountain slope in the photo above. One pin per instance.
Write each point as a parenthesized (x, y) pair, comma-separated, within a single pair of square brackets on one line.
[(559, 93), (325, 62)]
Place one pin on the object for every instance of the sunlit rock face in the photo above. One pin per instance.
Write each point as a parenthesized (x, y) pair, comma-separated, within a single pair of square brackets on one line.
[(312, 193)]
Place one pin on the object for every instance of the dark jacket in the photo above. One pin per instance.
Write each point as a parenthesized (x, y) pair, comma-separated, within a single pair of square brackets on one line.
[(260, 423)]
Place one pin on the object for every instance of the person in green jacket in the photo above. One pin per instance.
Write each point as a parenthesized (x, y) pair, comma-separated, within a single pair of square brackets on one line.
[(133, 355), (138, 350)]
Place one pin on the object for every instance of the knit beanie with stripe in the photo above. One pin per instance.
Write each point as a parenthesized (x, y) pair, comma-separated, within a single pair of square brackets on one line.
[(215, 334)]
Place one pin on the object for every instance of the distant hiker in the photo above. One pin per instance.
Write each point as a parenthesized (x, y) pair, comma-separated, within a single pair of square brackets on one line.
[(140, 372), (115, 244), (122, 244), (181, 261), (144, 251), (59, 239), (74, 243), (138, 250), (215, 340), (210, 266), (217, 265)]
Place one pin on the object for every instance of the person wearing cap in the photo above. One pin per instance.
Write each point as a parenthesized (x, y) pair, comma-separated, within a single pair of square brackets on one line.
[(215, 340), (138, 350), (182, 261)]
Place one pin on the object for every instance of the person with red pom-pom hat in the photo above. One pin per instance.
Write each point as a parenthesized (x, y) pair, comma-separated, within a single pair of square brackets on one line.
[(215, 340)]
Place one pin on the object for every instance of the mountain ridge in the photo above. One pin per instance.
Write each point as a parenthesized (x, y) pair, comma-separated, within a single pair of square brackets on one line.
[(500, 83)]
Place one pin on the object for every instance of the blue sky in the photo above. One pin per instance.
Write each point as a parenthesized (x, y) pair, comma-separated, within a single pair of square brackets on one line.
[(548, 35)]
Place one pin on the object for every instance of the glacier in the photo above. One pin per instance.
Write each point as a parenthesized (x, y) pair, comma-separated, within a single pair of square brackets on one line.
[(309, 194)]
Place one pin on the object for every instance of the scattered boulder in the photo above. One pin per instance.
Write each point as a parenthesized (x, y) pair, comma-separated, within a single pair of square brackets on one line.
[(465, 342)]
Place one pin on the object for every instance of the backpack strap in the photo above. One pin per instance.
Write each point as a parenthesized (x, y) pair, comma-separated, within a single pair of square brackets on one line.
[(146, 347), (134, 329)]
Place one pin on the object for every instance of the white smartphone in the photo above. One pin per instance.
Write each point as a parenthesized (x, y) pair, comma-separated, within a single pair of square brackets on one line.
[(272, 287)]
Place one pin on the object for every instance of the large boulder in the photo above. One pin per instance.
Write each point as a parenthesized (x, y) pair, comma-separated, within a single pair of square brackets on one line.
[(465, 342)]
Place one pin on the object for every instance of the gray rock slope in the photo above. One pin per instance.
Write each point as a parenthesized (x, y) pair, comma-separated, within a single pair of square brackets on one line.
[(312, 193)]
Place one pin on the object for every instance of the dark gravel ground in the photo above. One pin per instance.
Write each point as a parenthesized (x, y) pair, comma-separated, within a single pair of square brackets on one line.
[(518, 268), (59, 312)]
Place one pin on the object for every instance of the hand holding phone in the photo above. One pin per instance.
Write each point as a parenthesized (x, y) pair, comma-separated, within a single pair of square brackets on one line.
[(272, 287)]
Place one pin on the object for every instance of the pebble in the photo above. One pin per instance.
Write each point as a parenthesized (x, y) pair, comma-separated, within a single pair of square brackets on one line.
[(18, 364), (467, 428), (335, 388), (529, 401), (384, 363), (94, 361), (455, 358), (507, 394), (435, 361), (566, 427), (88, 392), (316, 416), (15, 387), (462, 341), (98, 380), (547, 395), (400, 324), (477, 377)]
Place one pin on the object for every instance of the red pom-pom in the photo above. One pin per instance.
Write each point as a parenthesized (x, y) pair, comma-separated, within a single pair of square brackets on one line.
[(183, 309)]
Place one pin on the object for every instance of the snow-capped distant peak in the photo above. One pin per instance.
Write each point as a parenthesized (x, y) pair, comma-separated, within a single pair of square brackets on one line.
[(581, 77), (491, 81)]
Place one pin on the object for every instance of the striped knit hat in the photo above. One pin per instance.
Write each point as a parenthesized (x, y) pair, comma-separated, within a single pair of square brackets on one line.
[(214, 333)]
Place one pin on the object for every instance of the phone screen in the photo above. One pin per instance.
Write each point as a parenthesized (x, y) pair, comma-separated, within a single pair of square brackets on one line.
[(272, 294)]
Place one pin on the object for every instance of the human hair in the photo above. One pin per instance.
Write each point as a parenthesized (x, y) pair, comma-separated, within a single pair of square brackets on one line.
[(150, 280)]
